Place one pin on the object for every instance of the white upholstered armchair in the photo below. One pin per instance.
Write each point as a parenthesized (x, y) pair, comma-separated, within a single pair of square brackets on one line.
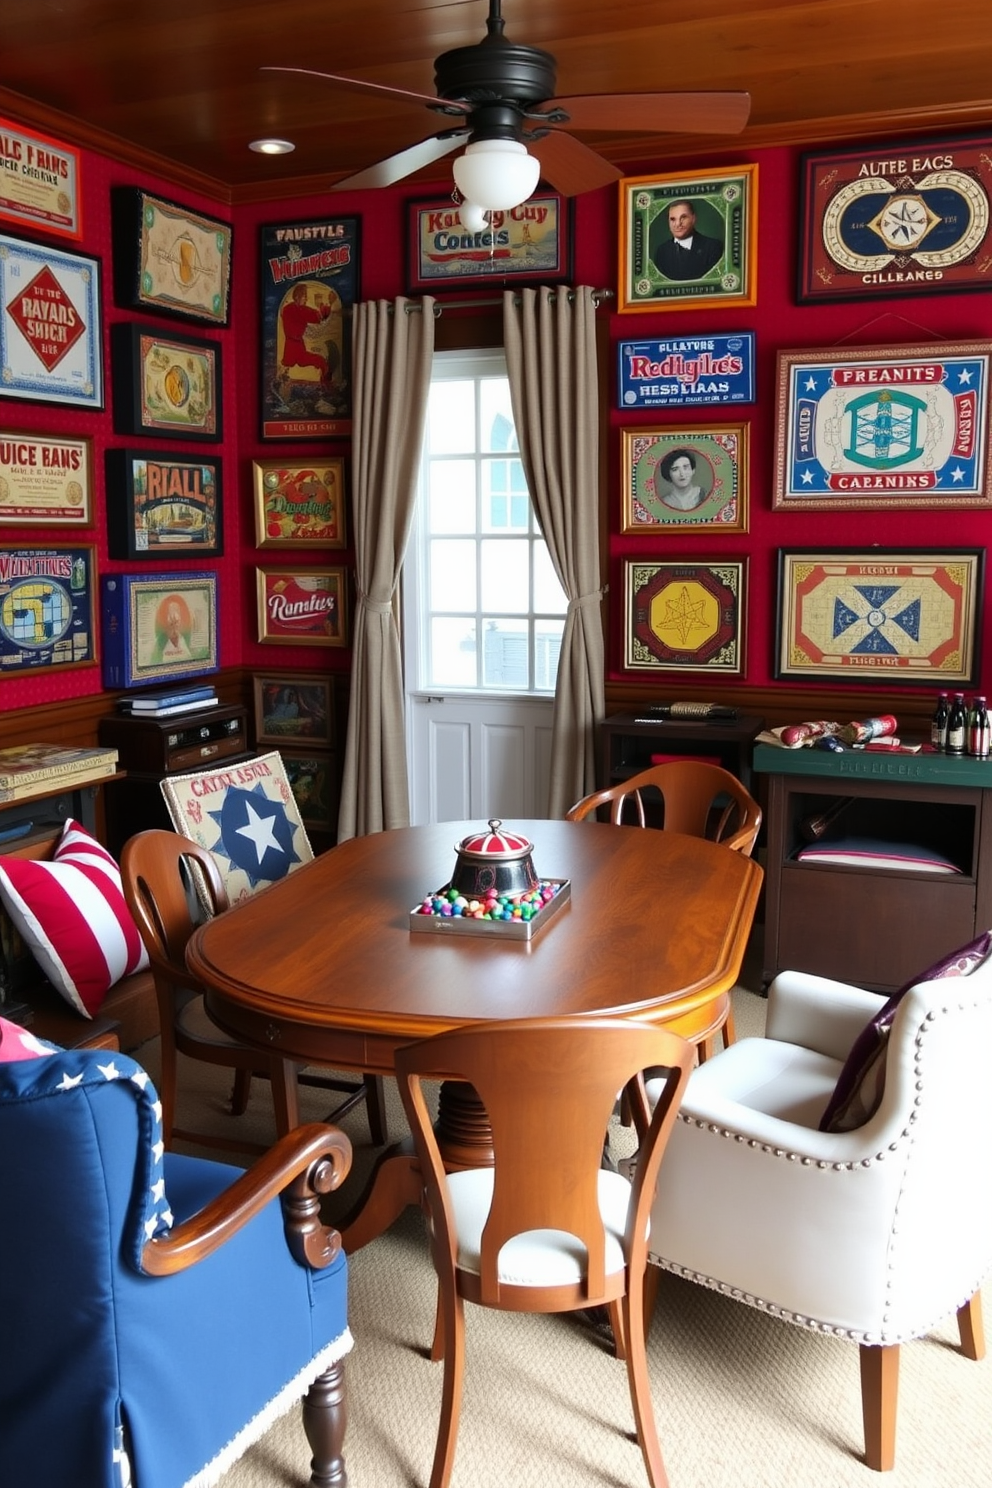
[(875, 1234)]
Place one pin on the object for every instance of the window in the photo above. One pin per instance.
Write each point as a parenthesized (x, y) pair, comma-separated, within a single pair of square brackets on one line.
[(483, 596)]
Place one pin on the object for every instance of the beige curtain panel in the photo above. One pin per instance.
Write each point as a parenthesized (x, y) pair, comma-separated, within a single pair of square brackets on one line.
[(392, 354), (550, 340)]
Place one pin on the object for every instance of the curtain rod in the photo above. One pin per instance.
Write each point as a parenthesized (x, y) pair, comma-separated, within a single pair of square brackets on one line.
[(492, 302)]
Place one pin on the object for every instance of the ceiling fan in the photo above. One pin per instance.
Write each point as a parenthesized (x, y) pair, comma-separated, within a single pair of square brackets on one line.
[(502, 95)]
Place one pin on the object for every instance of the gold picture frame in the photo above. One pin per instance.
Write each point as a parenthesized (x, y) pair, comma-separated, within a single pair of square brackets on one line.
[(300, 504)]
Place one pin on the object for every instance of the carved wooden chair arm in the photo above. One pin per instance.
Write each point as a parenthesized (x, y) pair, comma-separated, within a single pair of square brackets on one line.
[(307, 1162)]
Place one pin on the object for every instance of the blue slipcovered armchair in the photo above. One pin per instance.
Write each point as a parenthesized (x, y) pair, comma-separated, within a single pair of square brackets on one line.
[(157, 1312)]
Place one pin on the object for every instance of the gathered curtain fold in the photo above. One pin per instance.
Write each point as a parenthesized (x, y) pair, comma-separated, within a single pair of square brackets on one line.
[(551, 357), (393, 350)]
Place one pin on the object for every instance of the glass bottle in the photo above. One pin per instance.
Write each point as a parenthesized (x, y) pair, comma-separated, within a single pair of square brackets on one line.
[(957, 726), (978, 729), (938, 724)]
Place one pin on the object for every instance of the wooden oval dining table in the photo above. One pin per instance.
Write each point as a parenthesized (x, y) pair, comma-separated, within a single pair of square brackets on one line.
[(324, 968)]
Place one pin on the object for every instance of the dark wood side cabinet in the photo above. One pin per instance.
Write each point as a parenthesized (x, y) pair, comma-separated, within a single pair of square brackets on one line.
[(873, 926), (151, 748), (628, 740)]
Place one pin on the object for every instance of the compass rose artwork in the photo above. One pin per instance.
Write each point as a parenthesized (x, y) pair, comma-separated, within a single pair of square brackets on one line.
[(908, 218), (684, 616), (896, 426)]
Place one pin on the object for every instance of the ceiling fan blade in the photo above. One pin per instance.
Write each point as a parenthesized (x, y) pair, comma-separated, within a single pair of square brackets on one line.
[(404, 163), (381, 90), (569, 165), (659, 113)]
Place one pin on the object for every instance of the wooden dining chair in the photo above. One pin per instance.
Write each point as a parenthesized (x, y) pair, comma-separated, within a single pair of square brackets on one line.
[(558, 1234), (697, 798), (157, 869)]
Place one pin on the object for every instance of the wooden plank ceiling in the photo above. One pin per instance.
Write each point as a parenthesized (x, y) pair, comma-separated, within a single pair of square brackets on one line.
[(186, 85)]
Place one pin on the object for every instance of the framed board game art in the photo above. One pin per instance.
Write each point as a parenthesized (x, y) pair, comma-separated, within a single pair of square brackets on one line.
[(302, 606), (168, 258), (158, 627), (531, 242), (39, 182), (880, 615), (689, 240), (45, 480), (161, 506), (309, 273), (883, 426), (679, 477), (680, 371), (299, 504), (47, 609), (912, 218), (165, 383), (51, 325), (294, 707), (684, 616)]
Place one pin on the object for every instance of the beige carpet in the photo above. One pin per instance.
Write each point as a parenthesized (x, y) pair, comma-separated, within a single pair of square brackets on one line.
[(741, 1401)]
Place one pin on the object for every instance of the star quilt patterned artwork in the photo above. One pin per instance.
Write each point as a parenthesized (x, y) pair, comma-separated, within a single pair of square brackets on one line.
[(247, 816)]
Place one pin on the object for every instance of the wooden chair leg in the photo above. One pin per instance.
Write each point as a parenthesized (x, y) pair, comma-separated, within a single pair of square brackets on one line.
[(652, 1280), (285, 1095), (437, 1342), (971, 1328), (324, 1420), (879, 1398), (729, 1034), (375, 1105), (240, 1092), (453, 1310), (640, 1385), (616, 1323)]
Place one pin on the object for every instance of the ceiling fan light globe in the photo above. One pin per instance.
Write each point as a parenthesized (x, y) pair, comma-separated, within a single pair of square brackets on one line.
[(496, 174), (473, 217)]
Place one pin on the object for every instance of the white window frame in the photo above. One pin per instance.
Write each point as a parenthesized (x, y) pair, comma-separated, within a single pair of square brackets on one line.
[(416, 584)]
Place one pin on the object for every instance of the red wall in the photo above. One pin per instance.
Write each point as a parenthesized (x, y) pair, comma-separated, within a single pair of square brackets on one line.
[(778, 321)]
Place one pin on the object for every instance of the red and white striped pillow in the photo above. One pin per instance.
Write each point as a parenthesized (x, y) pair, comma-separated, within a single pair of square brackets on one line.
[(72, 916)]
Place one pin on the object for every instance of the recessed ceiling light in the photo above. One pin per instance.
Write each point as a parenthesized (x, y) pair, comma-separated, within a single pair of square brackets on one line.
[(272, 146)]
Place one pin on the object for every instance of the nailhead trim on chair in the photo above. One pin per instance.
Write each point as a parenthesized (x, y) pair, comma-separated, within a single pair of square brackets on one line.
[(811, 1324)]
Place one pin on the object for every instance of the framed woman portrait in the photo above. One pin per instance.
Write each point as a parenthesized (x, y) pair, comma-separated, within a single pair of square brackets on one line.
[(687, 476)]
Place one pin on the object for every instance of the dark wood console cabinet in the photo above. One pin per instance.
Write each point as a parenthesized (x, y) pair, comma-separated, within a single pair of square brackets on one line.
[(876, 927), (151, 748)]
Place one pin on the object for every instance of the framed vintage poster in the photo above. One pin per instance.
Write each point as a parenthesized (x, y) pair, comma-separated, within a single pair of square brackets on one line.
[(689, 240), (313, 780), (169, 258), (880, 615), (158, 627), (45, 481), (684, 616), (883, 426), (51, 327), (163, 506), (299, 505), (166, 384), (526, 243), (905, 219), (47, 609), (310, 276), (690, 476), (680, 371), (39, 182), (297, 707), (302, 606)]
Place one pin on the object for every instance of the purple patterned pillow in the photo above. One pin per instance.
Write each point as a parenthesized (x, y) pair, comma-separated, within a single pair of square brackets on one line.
[(861, 1083)]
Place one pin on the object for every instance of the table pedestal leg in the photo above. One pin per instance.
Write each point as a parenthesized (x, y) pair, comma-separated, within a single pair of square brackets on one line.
[(465, 1140)]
